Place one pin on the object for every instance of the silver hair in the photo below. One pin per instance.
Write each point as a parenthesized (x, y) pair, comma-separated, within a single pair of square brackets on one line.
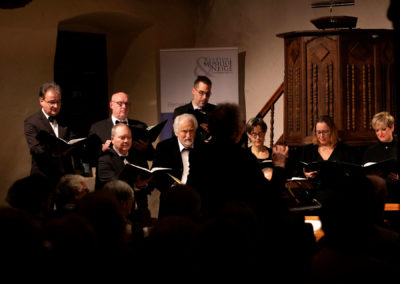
[(70, 182), (122, 190), (184, 117)]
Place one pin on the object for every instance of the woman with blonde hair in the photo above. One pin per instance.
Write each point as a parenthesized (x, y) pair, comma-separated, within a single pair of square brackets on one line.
[(386, 148), (326, 146)]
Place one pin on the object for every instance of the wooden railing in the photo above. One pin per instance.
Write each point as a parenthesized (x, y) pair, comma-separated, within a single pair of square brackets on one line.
[(270, 107)]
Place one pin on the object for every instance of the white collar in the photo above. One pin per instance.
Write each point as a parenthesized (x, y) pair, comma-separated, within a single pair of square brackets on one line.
[(195, 107), (114, 119), (181, 147), (45, 114)]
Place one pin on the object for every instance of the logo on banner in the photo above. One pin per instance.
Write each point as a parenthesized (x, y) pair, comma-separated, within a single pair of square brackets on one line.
[(209, 65)]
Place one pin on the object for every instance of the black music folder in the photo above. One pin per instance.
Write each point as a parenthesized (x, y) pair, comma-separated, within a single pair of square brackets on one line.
[(385, 166), (55, 141), (151, 132)]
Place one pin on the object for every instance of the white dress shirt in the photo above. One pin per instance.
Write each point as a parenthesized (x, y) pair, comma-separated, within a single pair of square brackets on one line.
[(53, 124)]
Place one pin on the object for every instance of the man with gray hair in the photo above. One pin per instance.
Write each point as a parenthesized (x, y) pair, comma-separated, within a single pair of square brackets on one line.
[(70, 189), (174, 153), (124, 193)]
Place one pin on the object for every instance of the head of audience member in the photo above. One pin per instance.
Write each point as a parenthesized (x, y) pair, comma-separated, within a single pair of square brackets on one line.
[(69, 189), (102, 210), (182, 200), (185, 126), (225, 123), (121, 138), (32, 194), (50, 98), (169, 241), (71, 240), (381, 194), (119, 105), (383, 124), (256, 129), (124, 194), (223, 249), (325, 132), (201, 91), (351, 209), (21, 245)]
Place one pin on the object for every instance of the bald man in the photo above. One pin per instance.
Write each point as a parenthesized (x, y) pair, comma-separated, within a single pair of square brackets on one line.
[(100, 133)]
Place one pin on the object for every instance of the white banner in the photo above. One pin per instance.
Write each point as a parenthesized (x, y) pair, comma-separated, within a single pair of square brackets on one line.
[(179, 69)]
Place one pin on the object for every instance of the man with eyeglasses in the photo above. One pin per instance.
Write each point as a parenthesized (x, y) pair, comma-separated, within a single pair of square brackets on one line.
[(199, 106), (100, 132), (47, 158)]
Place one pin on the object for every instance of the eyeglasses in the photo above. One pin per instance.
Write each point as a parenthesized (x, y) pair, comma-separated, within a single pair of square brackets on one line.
[(203, 93), (52, 103), (259, 134), (322, 132), (121, 104)]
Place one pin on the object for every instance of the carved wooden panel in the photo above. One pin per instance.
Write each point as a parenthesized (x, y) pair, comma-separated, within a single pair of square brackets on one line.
[(347, 74), (293, 86)]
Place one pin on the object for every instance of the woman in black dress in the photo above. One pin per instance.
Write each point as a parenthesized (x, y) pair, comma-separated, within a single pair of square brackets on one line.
[(256, 129), (326, 146), (385, 149)]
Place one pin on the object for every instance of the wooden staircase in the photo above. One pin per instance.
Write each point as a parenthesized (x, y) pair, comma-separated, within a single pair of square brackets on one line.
[(270, 107)]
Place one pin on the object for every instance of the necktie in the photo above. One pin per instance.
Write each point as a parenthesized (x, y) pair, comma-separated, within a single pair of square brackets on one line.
[(117, 121), (186, 149), (51, 119)]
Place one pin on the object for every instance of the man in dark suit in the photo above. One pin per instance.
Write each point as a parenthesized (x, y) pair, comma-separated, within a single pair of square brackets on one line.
[(100, 133), (111, 162), (47, 158), (199, 106), (174, 153), (111, 166)]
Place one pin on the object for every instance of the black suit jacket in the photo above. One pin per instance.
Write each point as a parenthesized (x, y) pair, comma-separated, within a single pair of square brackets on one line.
[(167, 155), (45, 159), (201, 116), (111, 167), (100, 132)]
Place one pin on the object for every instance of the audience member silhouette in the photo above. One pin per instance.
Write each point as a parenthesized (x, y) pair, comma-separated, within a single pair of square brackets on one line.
[(182, 200), (166, 253), (33, 194), (21, 246), (354, 248), (232, 172), (102, 210), (72, 248), (70, 188), (125, 195), (224, 250)]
